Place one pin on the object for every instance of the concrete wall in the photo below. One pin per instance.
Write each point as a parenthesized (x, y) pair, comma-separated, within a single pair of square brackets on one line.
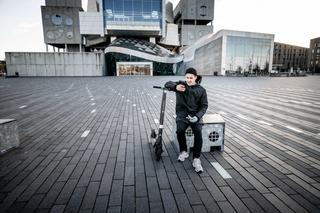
[(208, 58), (55, 64), (191, 9), (192, 33), (64, 3), (172, 36), (91, 23), (60, 25)]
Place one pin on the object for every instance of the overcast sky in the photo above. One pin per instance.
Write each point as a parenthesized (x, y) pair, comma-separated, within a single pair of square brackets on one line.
[(292, 21)]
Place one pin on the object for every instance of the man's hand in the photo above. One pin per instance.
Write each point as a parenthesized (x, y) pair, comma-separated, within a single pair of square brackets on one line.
[(192, 119), (180, 88)]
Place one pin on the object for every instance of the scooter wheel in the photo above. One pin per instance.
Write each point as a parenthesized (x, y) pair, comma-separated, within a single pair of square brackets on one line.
[(153, 133), (158, 149), (158, 158)]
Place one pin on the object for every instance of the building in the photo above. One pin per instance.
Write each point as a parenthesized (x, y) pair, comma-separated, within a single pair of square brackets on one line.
[(3, 67), (141, 37), (125, 33), (194, 20), (107, 20), (289, 57), (65, 23), (314, 55), (60, 21), (230, 52), (128, 56)]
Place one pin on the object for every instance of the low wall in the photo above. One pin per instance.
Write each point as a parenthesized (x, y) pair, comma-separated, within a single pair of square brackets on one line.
[(55, 64)]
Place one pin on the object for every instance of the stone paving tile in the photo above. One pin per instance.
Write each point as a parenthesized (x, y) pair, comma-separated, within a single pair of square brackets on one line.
[(85, 147)]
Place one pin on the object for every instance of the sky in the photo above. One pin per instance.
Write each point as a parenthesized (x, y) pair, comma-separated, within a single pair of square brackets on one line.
[(292, 21)]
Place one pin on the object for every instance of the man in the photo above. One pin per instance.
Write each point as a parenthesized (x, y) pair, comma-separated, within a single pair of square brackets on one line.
[(191, 105)]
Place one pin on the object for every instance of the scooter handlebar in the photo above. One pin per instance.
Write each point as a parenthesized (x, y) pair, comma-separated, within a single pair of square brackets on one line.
[(157, 87)]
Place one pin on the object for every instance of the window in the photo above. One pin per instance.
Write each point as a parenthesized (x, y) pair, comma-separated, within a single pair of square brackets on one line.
[(118, 7), (137, 6), (203, 11), (146, 6), (108, 4), (127, 8), (156, 5)]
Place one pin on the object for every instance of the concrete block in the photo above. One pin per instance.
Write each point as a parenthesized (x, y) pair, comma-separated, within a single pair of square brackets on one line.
[(56, 64), (88, 58), (69, 70), (11, 69), (95, 71), (18, 58), (212, 133), (60, 70), (22, 69), (9, 136), (8, 58), (28, 58), (50, 70), (33, 58), (87, 69), (59, 58), (49, 58), (40, 70), (40, 58), (78, 70), (31, 70), (68, 58), (77, 58)]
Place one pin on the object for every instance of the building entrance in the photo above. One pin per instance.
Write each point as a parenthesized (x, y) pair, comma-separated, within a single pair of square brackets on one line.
[(134, 68)]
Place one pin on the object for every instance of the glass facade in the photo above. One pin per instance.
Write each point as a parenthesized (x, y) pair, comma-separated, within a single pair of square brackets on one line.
[(245, 55), (134, 68), (139, 11), (157, 67), (152, 55)]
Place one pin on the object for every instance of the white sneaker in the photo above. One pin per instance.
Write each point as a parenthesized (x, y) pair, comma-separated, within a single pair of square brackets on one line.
[(182, 156), (197, 165)]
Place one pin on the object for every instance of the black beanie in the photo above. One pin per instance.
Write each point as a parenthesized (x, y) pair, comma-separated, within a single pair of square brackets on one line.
[(191, 71)]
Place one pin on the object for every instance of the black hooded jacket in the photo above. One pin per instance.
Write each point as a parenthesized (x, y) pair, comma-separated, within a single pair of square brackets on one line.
[(193, 101)]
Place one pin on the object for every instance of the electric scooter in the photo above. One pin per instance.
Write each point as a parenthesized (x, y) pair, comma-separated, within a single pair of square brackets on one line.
[(158, 137)]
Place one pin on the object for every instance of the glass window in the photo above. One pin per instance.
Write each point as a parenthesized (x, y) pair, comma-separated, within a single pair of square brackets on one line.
[(137, 10), (137, 6), (247, 53), (146, 7), (118, 7), (108, 4), (156, 5), (133, 10), (127, 8)]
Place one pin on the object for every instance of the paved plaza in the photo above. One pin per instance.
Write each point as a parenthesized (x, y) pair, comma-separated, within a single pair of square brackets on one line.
[(86, 147)]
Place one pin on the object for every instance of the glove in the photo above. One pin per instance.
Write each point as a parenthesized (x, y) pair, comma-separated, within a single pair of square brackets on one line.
[(192, 119)]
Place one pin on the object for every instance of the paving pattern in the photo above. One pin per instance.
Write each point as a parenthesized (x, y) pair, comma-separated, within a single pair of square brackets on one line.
[(85, 147)]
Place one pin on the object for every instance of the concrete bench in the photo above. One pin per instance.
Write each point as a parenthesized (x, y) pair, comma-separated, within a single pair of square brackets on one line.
[(212, 133), (9, 137)]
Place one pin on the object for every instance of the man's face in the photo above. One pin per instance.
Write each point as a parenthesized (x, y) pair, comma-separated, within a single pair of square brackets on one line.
[(191, 79)]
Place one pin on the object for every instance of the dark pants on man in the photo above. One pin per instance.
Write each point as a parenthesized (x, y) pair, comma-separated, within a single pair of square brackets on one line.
[(181, 135)]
